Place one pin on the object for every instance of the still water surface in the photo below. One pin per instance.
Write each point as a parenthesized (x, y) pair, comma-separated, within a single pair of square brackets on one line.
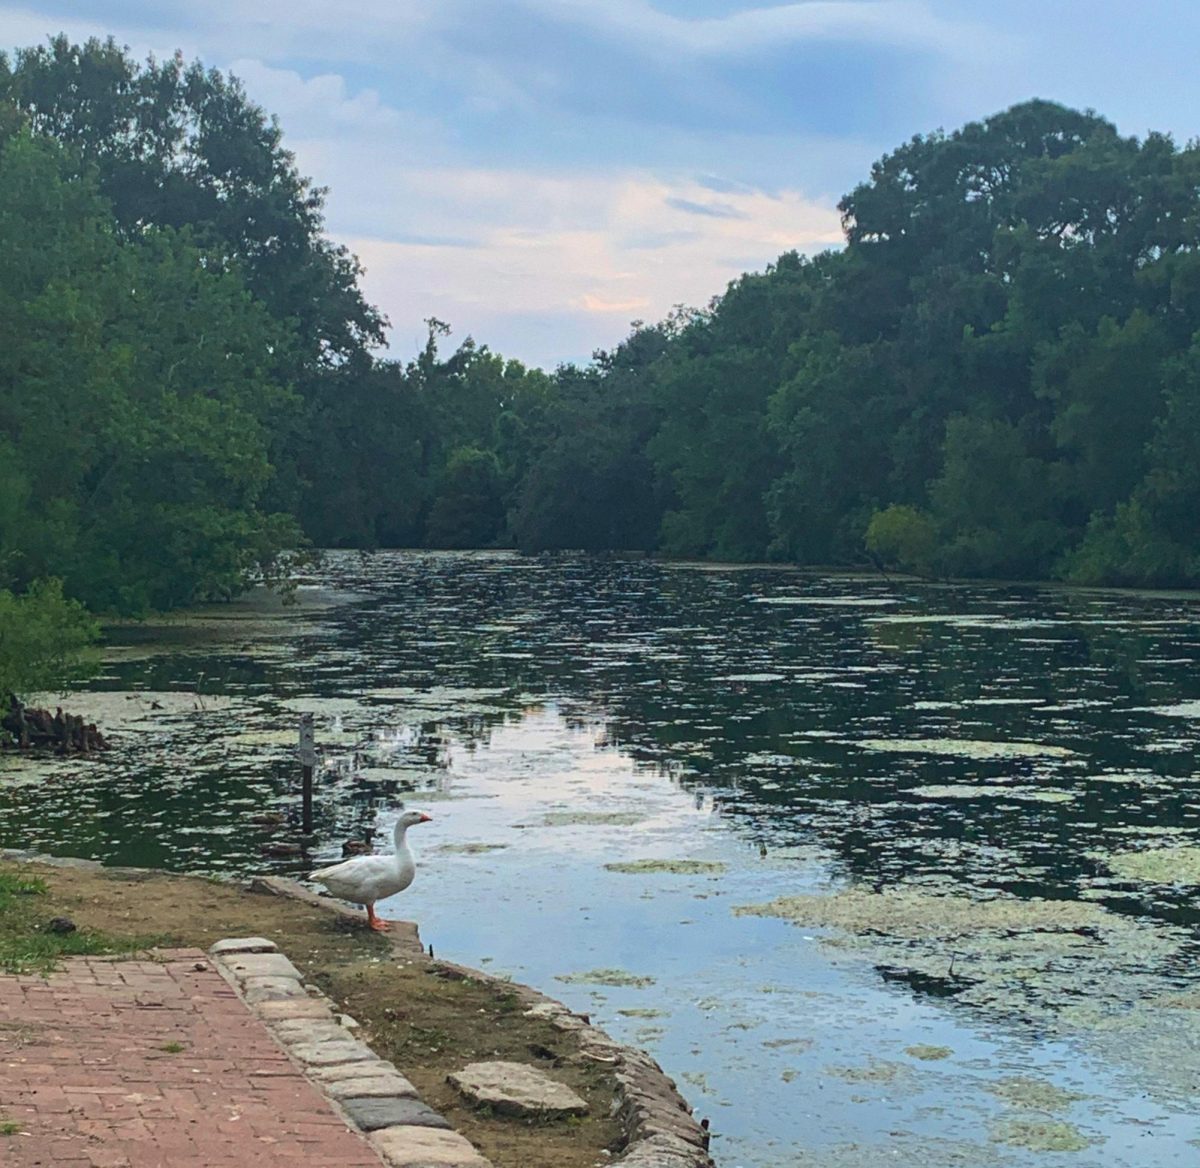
[(980, 805)]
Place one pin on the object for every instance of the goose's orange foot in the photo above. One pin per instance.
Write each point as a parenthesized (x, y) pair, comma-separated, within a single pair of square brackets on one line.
[(378, 925)]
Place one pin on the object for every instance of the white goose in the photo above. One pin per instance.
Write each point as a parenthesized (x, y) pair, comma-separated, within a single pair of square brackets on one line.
[(366, 879)]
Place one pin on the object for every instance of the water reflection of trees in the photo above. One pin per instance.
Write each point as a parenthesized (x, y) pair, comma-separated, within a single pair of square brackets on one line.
[(755, 704), (657, 652)]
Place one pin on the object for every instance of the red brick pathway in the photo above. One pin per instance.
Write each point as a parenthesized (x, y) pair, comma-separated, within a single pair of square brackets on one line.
[(91, 1071)]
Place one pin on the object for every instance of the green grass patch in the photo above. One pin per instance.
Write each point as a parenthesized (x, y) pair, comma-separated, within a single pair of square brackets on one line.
[(9, 1127), (26, 944)]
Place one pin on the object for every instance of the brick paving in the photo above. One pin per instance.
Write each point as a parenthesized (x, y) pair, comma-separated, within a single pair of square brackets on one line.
[(155, 1064)]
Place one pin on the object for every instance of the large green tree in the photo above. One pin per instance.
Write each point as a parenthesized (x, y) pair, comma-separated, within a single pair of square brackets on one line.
[(137, 390)]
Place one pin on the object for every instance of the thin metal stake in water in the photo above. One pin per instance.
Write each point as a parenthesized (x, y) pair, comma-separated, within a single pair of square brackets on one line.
[(308, 760)]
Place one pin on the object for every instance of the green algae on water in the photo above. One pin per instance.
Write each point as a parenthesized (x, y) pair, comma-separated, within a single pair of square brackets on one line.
[(1030, 1094), (875, 1071), (1159, 865), (608, 977), (675, 867), (471, 849), (964, 747), (928, 1053), (587, 819), (1000, 952), (1040, 1135), (995, 791)]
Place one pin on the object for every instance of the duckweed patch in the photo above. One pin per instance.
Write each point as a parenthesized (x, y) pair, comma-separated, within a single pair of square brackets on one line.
[(1003, 953), (876, 1071), (588, 819), (1031, 1094), (1040, 1135), (675, 867), (928, 1053), (1159, 865), (964, 748), (608, 977), (471, 849), (116, 710), (995, 791)]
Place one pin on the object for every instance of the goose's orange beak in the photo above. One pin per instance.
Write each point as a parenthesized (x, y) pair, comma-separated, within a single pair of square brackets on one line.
[(425, 818)]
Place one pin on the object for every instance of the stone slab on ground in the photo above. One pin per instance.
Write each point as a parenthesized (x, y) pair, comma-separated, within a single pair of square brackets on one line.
[(425, 1147), (290, 1009), (136, 1063), (370, 1114), (384, 1085), (271, 989), (243, 945), (338, 1072), (517, 1089), (330, 1053), (244, 965)]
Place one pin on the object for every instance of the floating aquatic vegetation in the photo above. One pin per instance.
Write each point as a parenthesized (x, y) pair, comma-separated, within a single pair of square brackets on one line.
[(116, 710), (1032, 1094), (875, 1071), (796, 1044), (964, 747), (1040, 1135), (587, 819), (995, 791), (470, 849), (902, 1148), (1159, 865), (675, 867), (1014, 956), (329, 707), (608, 977), (635, 1012), (928, 1053)]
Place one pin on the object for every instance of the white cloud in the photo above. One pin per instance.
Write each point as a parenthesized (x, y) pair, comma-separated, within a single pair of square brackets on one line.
[(320, 104), (554, 247), (908, 23)]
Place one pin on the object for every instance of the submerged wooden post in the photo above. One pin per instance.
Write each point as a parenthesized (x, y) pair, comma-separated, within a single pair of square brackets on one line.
[(308, 760)]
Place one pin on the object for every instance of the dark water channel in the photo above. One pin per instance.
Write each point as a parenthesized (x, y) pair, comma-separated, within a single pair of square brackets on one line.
[(965, 822)]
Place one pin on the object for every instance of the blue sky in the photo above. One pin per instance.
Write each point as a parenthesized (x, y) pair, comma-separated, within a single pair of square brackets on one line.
[(541, 172)]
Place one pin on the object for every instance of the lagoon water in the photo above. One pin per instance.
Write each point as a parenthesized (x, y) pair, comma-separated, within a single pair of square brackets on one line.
[(919, 863)]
